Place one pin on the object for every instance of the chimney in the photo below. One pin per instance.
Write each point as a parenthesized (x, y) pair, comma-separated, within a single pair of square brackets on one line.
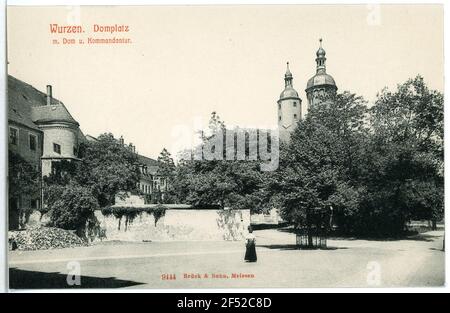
[(49, 94)]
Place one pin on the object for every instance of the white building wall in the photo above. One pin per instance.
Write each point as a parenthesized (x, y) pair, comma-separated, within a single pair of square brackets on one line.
[(290, 111), (63, 135)]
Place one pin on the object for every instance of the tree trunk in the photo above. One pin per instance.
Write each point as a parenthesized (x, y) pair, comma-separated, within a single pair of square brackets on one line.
[(309, 231), (310, 237)]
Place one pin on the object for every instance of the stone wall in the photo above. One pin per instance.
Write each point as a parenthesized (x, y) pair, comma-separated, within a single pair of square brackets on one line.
[(178, 224)]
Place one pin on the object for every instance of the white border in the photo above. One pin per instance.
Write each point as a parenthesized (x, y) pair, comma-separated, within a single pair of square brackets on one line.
[(3, 234), (3, 150)]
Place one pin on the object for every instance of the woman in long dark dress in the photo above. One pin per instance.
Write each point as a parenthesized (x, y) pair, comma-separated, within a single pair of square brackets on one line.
[(250, 244)]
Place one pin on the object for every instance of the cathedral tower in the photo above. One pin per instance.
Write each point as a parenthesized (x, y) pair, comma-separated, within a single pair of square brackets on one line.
[(289, 108), (320, 87)]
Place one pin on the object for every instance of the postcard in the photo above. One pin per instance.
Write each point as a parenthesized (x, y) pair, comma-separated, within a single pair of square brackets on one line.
[(225, 146)]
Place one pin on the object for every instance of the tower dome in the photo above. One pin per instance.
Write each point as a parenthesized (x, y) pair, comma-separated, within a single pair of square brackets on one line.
[(321, 84), (321, 52), (320, 80), (289, 91)]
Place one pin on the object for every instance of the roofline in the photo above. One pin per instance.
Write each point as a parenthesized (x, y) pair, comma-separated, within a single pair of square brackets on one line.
[(287, 98), (331, 85), (56, 121), (26, 126), (53, 98), (90, 136), (59, 158)]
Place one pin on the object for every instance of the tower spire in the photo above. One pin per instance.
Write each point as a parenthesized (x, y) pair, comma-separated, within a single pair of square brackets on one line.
[(320, 60), (288, 76)]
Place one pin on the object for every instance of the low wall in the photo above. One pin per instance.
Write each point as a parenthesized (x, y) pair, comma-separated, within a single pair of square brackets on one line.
[(176, 224)]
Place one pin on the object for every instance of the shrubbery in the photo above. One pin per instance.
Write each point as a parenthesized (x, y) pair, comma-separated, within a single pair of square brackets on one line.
[(75, 189), (73, 206)]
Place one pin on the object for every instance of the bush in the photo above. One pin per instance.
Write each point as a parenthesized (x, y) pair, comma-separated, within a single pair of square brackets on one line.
[(73, 208)]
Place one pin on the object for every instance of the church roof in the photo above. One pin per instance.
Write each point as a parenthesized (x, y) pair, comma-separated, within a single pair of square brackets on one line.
[(320, 52), (289, 92), (320, 79)]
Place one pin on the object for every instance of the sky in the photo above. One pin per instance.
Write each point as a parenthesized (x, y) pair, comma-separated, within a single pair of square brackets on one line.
[(184, 62)]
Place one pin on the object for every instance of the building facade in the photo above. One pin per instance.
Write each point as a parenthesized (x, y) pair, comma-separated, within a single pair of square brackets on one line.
[(152, 184), (41, 131)]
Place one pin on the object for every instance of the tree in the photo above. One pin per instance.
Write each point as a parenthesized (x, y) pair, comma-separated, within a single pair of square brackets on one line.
[(167, 171), (319, 167), (166, 166), (404, 173), (107, 167), (75, 189), (23, 178), (23, 181), (376, 168), (219, 182)]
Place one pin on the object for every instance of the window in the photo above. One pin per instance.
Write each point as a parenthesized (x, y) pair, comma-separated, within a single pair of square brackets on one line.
[(279, 106), (295, 104), (279, 118), (57, 148), (295, 116), (75, 151), (13, 135), (33, 142)]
